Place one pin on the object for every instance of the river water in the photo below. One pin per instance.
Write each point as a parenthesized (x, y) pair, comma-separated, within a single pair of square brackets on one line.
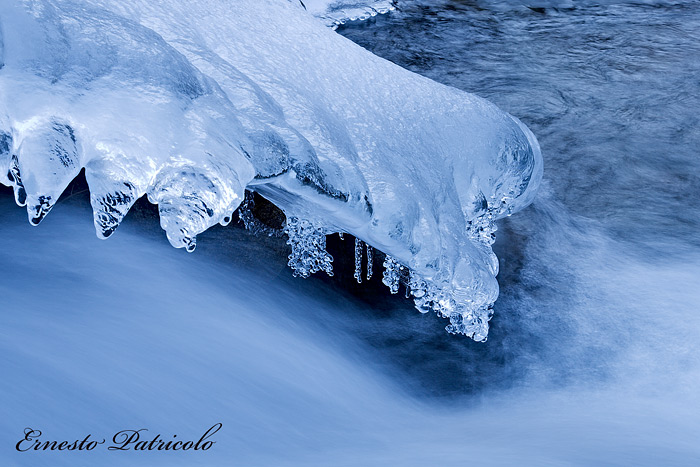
[(610, 91), (599, 277)]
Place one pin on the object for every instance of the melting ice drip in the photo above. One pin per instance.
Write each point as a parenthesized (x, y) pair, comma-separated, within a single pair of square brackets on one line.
[(193, 103)]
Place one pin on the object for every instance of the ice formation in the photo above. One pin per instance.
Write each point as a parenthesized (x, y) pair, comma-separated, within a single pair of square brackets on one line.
[(358, 260), (370, 261), (336, 12), (192, 103), (392, 274), (308, 242)]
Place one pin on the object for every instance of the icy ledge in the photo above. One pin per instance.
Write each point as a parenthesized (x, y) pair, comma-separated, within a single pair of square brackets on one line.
[(337, 12), (192, 103)]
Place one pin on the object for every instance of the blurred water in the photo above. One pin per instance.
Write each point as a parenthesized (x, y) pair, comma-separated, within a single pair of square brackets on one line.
[(599, 278), (592, 357)]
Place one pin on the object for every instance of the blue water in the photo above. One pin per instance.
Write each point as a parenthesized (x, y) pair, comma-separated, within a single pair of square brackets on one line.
[(610, 91)]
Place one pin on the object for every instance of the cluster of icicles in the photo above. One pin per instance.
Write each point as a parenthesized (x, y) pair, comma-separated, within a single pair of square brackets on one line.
[(308, 255)]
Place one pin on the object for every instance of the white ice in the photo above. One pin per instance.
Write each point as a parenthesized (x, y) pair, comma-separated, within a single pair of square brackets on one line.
[(192, 103)]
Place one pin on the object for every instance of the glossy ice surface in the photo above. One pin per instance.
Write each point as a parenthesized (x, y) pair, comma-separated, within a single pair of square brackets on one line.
[(193, 103)]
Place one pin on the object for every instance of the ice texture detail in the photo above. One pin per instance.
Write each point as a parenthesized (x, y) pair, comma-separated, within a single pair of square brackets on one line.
[(193, 103), (392, 274), (337, 12), (358, 261), (308, 243)]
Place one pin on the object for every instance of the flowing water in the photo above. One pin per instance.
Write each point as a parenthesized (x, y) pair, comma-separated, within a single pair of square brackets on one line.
[(604, 262), (610, 91), (593, 355)]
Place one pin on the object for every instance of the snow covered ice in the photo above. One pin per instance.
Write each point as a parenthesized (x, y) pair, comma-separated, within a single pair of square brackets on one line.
[(193, 103)]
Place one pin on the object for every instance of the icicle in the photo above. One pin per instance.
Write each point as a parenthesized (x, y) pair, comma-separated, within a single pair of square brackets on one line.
[(358, 260), (110, 208), (48, 159), (391, 274), (308, 242), (419, 290), (370, 260)]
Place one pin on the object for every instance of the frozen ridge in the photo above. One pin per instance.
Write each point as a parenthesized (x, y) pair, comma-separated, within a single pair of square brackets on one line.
[(193, 103), (337, 12)]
